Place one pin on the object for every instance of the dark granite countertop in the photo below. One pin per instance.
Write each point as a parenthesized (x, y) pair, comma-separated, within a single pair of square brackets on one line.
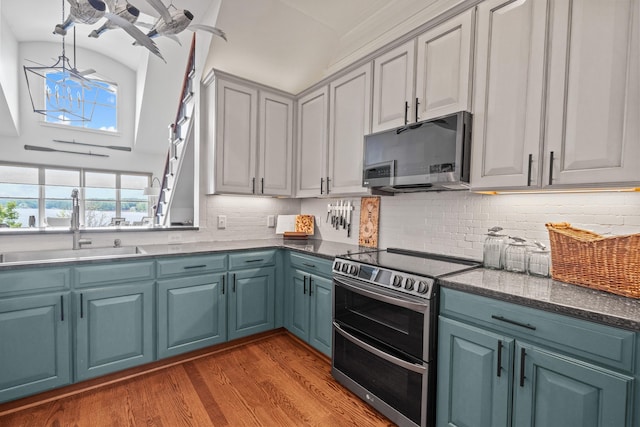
[(550, 295), (327, 250)]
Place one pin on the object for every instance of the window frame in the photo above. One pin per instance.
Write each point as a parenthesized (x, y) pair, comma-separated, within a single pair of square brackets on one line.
[(118, 199)]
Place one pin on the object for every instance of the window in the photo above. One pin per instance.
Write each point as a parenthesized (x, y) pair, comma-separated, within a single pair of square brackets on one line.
[(73, 99), (106, 198), (19, 196)]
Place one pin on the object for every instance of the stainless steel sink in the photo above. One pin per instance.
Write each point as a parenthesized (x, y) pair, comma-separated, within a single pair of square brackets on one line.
[(60, 254)]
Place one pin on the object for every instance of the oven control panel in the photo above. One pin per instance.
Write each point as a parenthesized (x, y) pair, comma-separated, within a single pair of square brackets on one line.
[(402, 282)]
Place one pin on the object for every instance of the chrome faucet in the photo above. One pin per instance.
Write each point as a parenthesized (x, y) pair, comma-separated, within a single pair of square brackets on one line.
[(75, 221)]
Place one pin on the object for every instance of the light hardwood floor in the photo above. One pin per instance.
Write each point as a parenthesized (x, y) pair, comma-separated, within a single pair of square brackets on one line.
[(273, 381)]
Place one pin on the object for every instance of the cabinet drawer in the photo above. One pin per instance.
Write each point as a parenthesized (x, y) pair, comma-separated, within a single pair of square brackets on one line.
[(251, 259), (191, 265), (311, 264), (605, 344), (108, 273), (14, 282)]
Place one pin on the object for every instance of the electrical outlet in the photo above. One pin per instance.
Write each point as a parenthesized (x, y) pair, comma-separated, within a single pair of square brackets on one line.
[(222, 221), (271, 221), (175, 237)]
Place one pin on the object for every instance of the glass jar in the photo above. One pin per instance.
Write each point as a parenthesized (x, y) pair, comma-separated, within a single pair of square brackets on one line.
[(538, 260), (515, 255), (493, 249)]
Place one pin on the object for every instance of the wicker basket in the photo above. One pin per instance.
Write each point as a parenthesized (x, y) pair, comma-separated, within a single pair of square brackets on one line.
[(581, 257)]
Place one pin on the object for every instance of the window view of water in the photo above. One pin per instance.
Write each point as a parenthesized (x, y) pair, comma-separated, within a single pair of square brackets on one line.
[(95, 218)]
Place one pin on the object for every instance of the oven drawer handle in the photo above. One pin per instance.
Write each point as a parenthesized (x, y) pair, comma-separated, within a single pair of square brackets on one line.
[(381, 354), (420, 308)]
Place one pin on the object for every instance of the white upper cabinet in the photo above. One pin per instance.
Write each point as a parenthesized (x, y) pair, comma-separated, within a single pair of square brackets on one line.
[(349, 121), (235, 140), (252, 139), (313, 118), (593, 105), (509, 86), (443, 69), (275, 143), (393, 79), (410, 87)]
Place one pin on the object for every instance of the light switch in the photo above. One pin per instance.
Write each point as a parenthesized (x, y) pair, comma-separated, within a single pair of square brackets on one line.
[(271, 221), (222, 221)]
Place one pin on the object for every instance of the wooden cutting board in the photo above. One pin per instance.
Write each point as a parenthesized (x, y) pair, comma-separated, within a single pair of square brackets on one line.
[(369, 218)]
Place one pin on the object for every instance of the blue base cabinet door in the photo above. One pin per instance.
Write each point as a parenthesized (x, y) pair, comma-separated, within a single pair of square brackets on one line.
[(251, 301), (35, 351), (114, 328), (474, 376), (298, 322), (554, 390), (191, 313), (320, 332)]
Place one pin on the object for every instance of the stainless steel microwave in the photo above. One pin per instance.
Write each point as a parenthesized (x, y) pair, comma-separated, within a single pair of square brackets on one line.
[(430, 155)]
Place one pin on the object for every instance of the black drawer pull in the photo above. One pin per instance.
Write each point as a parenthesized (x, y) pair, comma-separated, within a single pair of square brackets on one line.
[(499, 371), (309, 265), (310, 286), (513, 322), (234, 282), (223, 284), (551, 168), (523, 354), (61, 308), (254, 260), (304, 285), (188, 267), (81, 307), (529, 170)]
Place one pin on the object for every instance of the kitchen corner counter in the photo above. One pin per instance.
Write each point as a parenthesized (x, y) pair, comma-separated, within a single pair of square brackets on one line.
[(324, 249), (550, 295)]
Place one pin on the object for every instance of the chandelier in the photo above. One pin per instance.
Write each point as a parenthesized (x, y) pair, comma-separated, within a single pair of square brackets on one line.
[(60, 91)]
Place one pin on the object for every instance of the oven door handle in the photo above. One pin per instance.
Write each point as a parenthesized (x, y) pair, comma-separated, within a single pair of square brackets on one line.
[(415, 306), (381, 354)]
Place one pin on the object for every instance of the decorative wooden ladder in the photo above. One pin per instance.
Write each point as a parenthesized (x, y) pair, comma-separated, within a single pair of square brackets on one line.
[(179, 134)]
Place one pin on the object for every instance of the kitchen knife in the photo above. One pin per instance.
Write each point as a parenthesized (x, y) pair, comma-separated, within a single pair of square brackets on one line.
[(328, 212), (349, 210)]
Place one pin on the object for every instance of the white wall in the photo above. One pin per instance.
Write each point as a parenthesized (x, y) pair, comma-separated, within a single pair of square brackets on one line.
[(455, 223), (34, 132)]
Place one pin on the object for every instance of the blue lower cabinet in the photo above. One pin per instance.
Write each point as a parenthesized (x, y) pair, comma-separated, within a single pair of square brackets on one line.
[(320, 328), (114, 328), (35, 351), (474, 376), (495, 376), (251, 300), (555, 390), (191, 313), (309, 309)]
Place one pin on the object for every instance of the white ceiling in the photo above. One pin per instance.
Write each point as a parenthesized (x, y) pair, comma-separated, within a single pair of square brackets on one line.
[(288, 44)]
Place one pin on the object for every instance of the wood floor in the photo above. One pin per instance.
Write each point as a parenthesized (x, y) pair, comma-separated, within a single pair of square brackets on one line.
[(275, 381)]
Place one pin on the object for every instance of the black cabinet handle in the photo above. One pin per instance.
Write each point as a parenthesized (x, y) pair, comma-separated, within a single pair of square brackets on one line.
[(234, 282), (61, 308), (523, 354), (309, 265), (328, 185), (255, 260), (551, 168), (81, 307), (499, 371), (304, 286), (262, 185), (529, 170), (253, 185), (417, 103), (223, 284), (188, 267), (310, 287), (321, 185), (406, 112), (513, 322)]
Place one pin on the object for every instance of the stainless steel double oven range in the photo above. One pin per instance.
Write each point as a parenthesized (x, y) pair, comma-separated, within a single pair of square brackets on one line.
[(384, 329)]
